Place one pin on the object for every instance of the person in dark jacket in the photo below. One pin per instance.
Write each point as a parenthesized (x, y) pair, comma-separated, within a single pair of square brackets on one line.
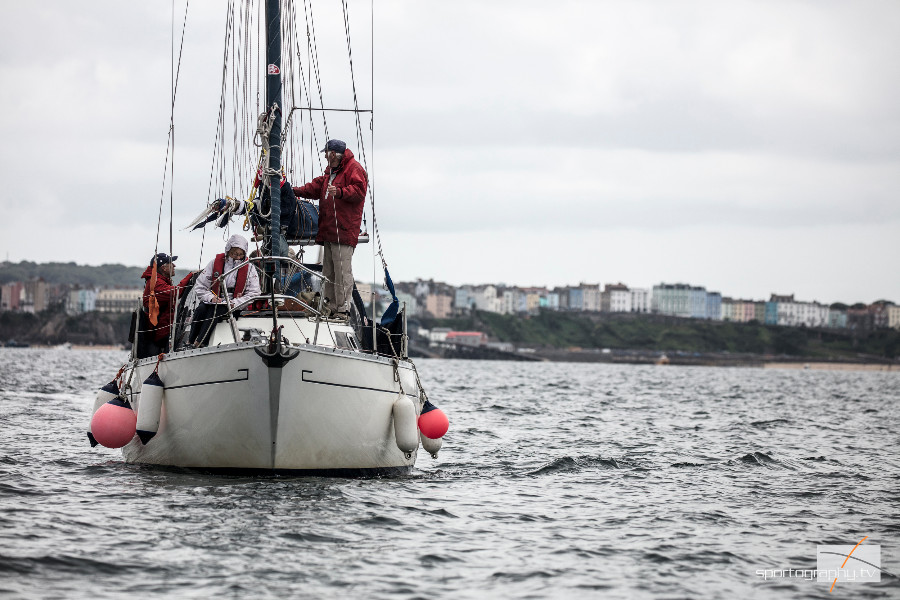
[(341, 192), (160, 297), (299, 219)]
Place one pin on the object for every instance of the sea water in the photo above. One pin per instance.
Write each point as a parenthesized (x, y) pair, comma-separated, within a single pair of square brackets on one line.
[(555, 481)]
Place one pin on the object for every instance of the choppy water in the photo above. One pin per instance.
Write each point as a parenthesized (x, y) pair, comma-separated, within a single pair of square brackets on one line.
[(556, 481)]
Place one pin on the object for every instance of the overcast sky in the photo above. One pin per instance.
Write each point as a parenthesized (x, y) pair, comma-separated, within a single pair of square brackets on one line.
[(748, 147)]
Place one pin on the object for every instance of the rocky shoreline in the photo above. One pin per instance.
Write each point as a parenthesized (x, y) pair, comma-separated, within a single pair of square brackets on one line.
[(110, 331)]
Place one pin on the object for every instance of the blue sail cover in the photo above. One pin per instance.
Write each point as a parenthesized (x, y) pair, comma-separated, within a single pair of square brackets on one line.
[(391, 313)]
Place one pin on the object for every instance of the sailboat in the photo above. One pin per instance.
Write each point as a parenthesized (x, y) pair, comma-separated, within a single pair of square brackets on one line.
[(281, 384)]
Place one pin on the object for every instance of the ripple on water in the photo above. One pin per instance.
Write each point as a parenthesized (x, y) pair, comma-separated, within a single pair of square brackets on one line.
[(556, 480)]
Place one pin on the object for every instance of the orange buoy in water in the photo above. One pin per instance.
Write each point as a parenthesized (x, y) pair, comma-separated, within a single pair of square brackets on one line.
[(433, 423), (113, 424)]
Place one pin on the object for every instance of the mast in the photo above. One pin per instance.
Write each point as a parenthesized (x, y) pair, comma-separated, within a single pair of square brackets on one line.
[(273, 98)]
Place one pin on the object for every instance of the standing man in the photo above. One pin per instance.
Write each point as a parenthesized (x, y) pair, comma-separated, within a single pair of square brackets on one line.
[(341, 193), (160, 298)]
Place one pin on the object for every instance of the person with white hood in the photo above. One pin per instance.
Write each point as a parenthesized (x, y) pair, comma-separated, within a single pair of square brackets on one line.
[(243, 282)]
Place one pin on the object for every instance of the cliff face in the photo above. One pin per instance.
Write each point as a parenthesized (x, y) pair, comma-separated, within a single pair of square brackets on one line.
[(58, 328)]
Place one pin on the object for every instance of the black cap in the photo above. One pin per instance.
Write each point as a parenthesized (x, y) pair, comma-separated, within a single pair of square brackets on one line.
[(335, 145), (163, 259)]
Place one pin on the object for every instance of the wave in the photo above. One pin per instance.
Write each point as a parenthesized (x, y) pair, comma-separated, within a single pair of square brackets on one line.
[(761, 459), (67, 564), (313, 537), (568, 463), (765, 424)]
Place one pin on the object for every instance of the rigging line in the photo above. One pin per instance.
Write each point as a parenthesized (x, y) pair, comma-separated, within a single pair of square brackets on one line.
[(172, 121), (171, 127), (218, 145), (353, 110), (305, 86), (359, 134), (353, 83), (171, 135), (312, 127), (372, 130), (312, 60), (376, 233), (221, 122), (287, 133), (311, 41)]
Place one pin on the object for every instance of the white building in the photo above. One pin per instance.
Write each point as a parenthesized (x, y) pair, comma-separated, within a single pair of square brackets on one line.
[(673, 299), (640, 300), (894, 317), (119, 300), (485, 298), (591, 299), (422, 288), (511, 301), (616, 297), (808, 314), (438, 334)]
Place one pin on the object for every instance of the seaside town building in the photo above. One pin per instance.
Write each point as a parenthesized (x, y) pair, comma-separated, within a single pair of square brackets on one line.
[(640, 300), (466, 338), (439, 306), (81, 301), (485, 298), (118, 300), (11, 295), (726, 310), (673, 299), (894, 317), (441, 300), (616, 297), (576, 298), (837, 318), (35, 296), (552, 301), (714, 306), (590, 296), (410, 301)]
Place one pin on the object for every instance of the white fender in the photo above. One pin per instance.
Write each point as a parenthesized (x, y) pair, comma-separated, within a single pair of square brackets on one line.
[(406, 432), (149, 407), (431, 446), (104, 395)]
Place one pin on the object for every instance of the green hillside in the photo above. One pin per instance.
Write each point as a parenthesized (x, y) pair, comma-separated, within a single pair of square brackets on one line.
[(103, 276), (653, 332)]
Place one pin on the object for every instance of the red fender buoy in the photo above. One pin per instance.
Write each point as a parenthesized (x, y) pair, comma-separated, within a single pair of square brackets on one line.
[(433, 423), (114, 423), (108, 392)]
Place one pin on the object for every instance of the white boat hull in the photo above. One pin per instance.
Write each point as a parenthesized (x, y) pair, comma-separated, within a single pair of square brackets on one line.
[(325, 410)]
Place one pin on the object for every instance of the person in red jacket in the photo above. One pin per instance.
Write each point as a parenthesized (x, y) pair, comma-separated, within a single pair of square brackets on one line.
[(160, 298), (341, 193)]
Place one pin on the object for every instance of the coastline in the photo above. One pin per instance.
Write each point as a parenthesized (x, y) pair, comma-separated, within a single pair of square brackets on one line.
[(826, 366)]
